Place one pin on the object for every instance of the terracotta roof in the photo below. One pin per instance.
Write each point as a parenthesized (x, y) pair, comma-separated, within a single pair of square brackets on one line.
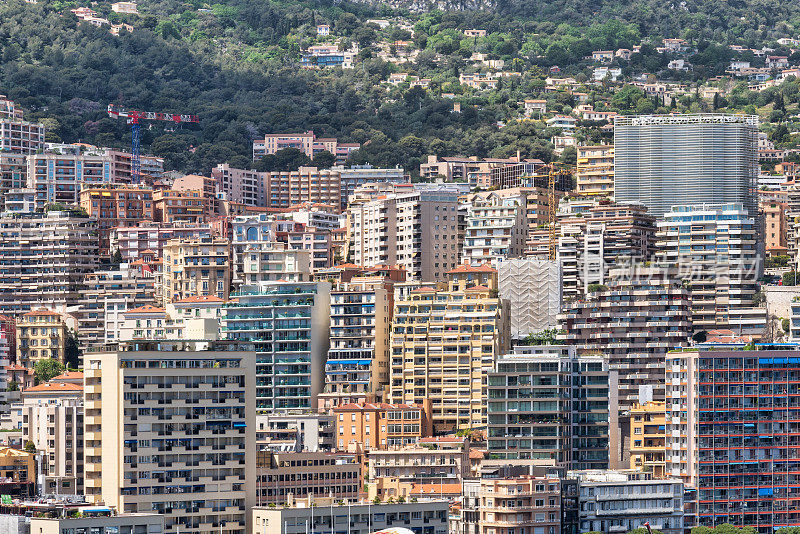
[(41, 311), (478, 288), (424, 289), (147, 309), (69, 375), (200, 298), (54, 386), (466, 268), (16, 367), (148, 251), (477, 453)]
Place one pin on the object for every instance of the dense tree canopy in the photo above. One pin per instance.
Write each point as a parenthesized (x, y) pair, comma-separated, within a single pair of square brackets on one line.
[(236, 65)]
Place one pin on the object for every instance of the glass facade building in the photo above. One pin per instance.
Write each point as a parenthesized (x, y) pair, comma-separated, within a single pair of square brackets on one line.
[(668, 160)]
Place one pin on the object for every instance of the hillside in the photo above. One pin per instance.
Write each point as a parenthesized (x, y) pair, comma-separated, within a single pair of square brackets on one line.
[(236, 65)]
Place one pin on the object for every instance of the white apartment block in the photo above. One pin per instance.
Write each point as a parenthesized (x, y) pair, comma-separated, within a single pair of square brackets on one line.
[(51, 417), (59, 175), (259, 257), (681, 417), (496, 229), (418, 230), (45, 259), (18, 136), (13, 175), (148, 239), (622, 501), (240, 185), (714, 247), (108, 295), (172, 431)]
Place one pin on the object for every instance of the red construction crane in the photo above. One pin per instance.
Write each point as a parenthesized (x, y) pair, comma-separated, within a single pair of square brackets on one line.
[(134, 117)]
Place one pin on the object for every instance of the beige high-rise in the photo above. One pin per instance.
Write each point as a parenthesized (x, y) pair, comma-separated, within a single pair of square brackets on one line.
[(172, 431), (395, 224), (594, 173), (445, 341)]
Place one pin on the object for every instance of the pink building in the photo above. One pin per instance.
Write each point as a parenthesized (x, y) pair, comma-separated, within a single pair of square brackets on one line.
[(307, 142)]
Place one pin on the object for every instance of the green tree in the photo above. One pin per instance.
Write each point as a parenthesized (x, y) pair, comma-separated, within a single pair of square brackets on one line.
[(324, 160), (44, 370), (30, 447), (545, 337), (790, 278), (72, 351)]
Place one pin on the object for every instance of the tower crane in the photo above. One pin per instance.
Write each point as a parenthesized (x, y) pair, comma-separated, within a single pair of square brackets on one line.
[(134, 116)]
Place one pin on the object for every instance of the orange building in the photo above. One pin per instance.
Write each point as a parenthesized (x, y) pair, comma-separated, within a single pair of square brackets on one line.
[(775, 238), (366, 426), (170, 206), (115, 205), (195, 182)]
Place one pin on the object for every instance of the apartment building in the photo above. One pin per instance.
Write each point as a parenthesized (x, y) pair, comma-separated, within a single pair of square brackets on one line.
[(18, 136), (445, 341), (616, 501), (240, 185), (775, 227), (594, 172), (593, 237), (122, 164), (98, 522), (148, 239), (195, 267), (312, 432), (315, 241), (533, 290), (13, 175), (648, 438), (50, 415), (284, 189), (420, 231), (59, 174), (41, 334), (307, 142), (355, 176), (357, 366), (108, 295), (190, 206), (526, 504), (474, 171), (158, 418), (715, 248), (263, 250), (633, 322), (424, 517), (320, 216), (369, 426), (116, 205), (442, 459), (496, 227), (738, 428), (663, 160), (285, 476), (548, 403), (45, 259), (288, 324)]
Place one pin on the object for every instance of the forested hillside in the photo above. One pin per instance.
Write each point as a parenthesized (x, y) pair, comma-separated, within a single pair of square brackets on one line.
[(237, 65)]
